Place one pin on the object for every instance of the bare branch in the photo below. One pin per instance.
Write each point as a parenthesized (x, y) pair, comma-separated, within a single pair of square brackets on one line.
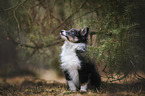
[(68, 18), (135, 73), (14, 14), (49, 11), (118, 79), (14, 6), (87, 13), (36, 46)]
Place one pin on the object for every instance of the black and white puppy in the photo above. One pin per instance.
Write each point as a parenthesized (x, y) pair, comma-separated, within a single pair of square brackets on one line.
[(78, 69)]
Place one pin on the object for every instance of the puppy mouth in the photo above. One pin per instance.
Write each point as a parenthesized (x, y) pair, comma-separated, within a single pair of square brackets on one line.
[(62, 33)]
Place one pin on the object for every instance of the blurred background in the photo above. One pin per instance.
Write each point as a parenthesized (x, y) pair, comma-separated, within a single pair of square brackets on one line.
[(30, 43)]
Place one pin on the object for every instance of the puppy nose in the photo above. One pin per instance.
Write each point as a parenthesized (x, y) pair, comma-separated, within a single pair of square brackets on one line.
[(62, 31)]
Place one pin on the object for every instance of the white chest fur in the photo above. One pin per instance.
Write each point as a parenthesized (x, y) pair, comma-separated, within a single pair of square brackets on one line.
[(69, 59)]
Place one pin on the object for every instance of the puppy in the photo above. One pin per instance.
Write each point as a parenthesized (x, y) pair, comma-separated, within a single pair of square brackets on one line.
[(78, 69)]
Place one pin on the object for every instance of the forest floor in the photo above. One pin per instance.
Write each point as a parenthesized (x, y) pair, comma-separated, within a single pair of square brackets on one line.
[(32, 86)]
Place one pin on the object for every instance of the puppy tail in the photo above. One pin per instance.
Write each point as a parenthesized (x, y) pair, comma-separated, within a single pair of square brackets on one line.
[(95, 79)]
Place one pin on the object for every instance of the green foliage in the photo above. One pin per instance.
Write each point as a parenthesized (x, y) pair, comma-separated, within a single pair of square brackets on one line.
[(35, 24), (114, 30)]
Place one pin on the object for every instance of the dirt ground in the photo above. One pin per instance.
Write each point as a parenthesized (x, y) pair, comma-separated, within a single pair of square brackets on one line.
[(51, 85)]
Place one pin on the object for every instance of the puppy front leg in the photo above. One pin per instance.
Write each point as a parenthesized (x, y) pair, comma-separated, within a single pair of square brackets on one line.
[(83, 78), (84, 87), (71, 85)]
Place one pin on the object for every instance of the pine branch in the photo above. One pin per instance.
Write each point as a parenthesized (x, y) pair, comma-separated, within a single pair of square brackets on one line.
[(35, 46)]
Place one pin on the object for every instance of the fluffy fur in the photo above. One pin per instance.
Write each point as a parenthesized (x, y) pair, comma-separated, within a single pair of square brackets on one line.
[(70, 61), (78, 69)]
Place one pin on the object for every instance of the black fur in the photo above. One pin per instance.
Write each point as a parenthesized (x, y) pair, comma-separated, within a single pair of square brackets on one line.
[(88, 71), (67, 77)]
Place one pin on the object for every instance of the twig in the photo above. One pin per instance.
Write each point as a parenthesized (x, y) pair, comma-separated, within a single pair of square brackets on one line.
[(50, 13), (14, 14), (140, 90), (133, 66), (14, 6), (87, 13), (135, 73), (38, 47), (118, 79), (34, 51), (49, 45), (32, 46), (70, 16)]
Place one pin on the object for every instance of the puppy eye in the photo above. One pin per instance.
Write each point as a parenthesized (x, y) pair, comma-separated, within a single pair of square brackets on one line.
[(73, 32)]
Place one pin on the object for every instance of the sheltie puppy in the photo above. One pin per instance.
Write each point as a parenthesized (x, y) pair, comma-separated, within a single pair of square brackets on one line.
[(79, 70)]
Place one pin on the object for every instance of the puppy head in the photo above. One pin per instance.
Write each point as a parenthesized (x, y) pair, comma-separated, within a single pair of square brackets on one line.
[(75, 35)]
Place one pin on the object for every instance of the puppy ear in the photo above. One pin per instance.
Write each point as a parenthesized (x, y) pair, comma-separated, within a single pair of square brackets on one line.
[(85, 31)]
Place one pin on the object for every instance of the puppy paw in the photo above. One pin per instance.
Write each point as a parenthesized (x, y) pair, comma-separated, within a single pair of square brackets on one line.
[(73, 90), (83, 90)]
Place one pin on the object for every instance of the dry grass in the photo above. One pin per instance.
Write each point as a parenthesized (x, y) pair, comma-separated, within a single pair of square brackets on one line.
[(51, 85), (39, 87)]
